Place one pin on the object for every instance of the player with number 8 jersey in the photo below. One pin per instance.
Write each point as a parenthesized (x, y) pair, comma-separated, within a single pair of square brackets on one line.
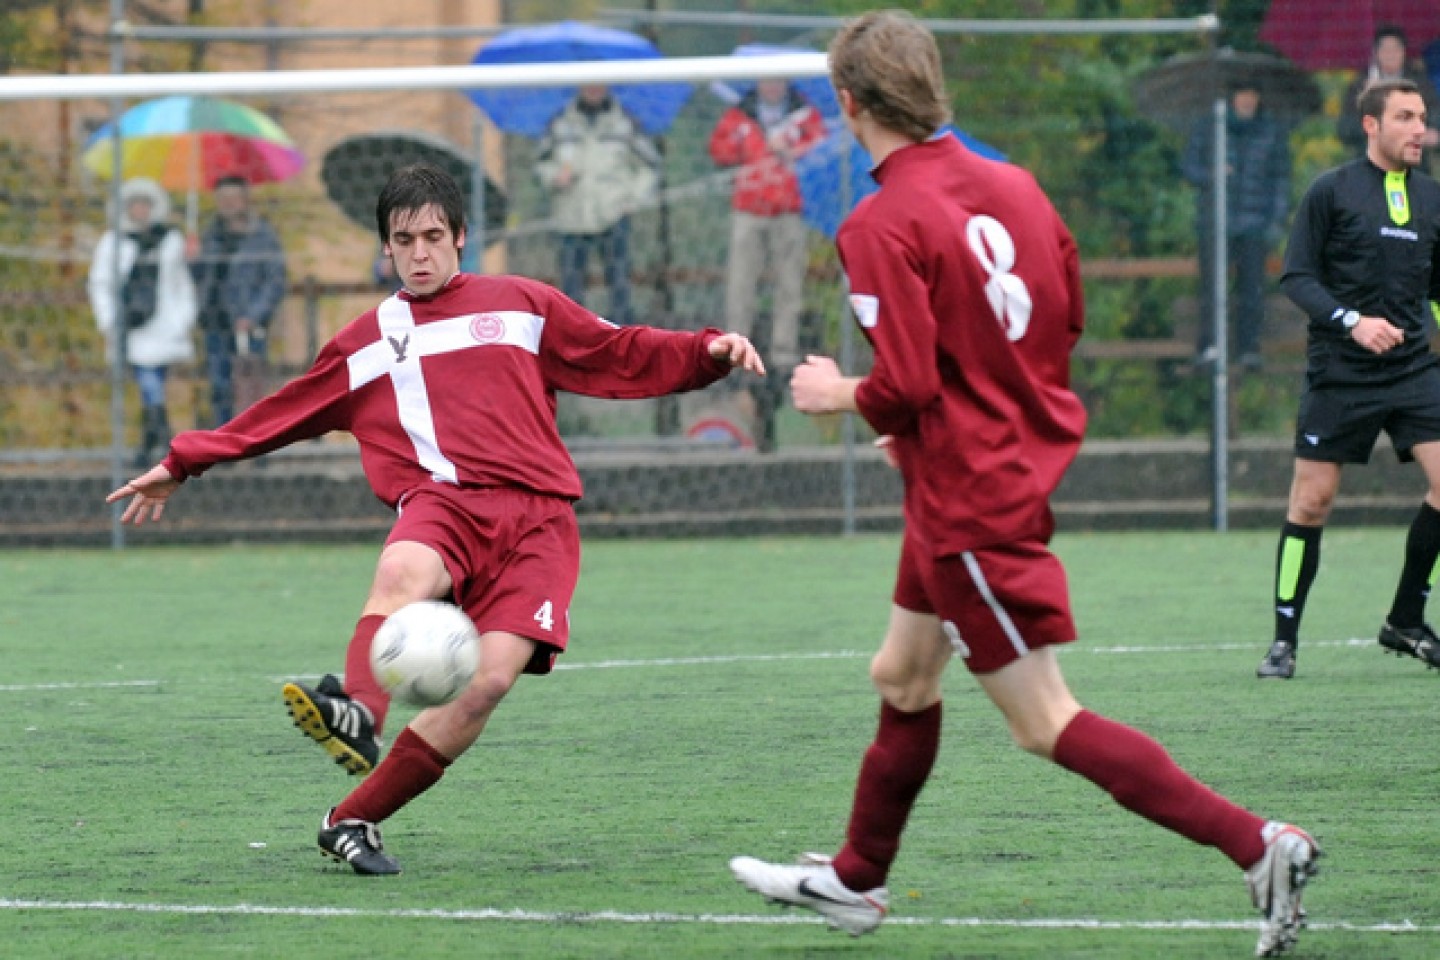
[(449, 387), (967, 283), (963, 258)]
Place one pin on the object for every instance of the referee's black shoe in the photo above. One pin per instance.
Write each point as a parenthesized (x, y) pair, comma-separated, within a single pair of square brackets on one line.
[(1418, 642), (1279, 663)]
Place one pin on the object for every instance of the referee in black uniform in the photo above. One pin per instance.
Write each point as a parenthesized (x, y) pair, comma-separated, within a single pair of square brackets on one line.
[(1363, 263)]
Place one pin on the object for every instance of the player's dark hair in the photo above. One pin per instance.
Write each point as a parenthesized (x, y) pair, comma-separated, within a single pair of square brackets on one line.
[(1371, 101), (891, 66), (232, 180), (414, 187), (1388, 31)]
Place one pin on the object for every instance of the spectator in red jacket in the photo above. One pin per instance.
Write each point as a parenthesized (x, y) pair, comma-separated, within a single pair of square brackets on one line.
[(762, 135)]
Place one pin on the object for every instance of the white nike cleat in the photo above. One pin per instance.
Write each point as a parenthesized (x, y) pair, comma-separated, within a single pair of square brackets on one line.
[(812, 884), (1276, 883)]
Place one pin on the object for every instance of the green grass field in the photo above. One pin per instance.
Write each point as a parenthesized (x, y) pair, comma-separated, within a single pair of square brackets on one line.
[(155, 801)]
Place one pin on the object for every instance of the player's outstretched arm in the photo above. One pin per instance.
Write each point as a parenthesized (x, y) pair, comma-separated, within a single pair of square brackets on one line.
[(149, 491), (739, 351)]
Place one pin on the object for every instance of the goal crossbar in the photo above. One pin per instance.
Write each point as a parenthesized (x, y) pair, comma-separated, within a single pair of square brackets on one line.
[(789, 66)]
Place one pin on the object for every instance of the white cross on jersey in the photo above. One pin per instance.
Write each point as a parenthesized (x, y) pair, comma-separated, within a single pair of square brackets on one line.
[(402, 344)]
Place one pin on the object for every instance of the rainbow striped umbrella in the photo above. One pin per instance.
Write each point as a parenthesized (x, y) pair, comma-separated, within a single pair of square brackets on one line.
[(187, 143)]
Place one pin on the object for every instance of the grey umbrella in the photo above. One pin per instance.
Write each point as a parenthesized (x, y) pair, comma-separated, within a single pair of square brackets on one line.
[(356, 168), (1182, 89)]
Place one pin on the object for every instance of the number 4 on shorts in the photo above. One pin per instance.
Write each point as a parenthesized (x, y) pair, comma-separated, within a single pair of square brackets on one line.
[(545, 616)]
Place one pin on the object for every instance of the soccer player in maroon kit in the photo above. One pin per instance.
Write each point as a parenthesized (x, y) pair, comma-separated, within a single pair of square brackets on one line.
[(449, 388), (967, 284)]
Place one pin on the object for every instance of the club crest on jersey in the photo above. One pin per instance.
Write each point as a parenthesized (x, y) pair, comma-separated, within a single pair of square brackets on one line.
[(487, 327)]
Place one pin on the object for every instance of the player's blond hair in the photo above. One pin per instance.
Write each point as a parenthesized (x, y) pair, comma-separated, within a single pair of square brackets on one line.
[(890, 64)]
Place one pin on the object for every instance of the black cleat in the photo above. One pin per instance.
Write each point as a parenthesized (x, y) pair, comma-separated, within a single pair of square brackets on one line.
[(343, 727), (1418, 642), (356, 842), (1279, 663)]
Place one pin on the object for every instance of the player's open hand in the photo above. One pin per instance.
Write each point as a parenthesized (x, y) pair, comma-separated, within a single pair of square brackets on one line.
[(739, 351), (1377, 334), (149, 491)]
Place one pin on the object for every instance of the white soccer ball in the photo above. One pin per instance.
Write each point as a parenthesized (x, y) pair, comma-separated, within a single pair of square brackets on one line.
[(425, 653)]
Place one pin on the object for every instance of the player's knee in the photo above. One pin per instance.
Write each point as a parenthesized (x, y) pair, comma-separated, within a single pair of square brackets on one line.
[(904, 688), (398, 581), (486, 690), (1031, 741), (885, 675), (1311, 509), (493, 685), (1310, 502), (1034, 736)]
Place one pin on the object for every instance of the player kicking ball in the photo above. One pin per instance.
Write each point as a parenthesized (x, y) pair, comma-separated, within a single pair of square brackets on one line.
[(449, 387), (967, 284)]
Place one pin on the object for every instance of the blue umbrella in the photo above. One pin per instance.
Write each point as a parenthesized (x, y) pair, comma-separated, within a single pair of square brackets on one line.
[(819, 172), (815, 89), (528, 110)]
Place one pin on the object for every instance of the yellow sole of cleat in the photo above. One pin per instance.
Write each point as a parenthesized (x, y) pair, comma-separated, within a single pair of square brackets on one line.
[(307, 717)]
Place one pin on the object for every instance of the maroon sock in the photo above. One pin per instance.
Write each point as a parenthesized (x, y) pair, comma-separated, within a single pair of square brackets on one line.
[(360, 682), (1142, 778), (410, 768), (895, 767)]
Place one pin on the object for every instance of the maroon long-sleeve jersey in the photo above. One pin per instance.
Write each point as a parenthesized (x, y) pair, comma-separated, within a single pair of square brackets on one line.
[(967, 284), (460, 388)]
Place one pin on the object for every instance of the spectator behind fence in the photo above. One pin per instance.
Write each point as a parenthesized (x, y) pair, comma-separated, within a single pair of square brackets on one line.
[(599, 167), (156, 302), (1257, 193), (1389, 60), (240, 280), (762, 135)]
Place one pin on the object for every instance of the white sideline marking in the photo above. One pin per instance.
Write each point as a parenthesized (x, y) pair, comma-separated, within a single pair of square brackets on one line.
[(729, 658), (76, 685), (1203, 648), (1069, 649), (853, 654), (715, 919)]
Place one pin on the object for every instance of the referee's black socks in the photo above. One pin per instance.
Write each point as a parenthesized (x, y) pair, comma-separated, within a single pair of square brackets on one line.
[(1422, 547), (1296, 563)]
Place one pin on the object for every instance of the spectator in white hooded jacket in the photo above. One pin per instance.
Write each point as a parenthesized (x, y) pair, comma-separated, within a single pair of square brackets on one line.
[(156, 300)]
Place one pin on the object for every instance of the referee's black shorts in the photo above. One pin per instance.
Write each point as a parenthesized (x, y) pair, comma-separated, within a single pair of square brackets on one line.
[(1339, 423)]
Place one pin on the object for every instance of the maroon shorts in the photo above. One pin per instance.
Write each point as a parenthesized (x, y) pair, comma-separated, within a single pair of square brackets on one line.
[(997, 603), (514, 558)]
